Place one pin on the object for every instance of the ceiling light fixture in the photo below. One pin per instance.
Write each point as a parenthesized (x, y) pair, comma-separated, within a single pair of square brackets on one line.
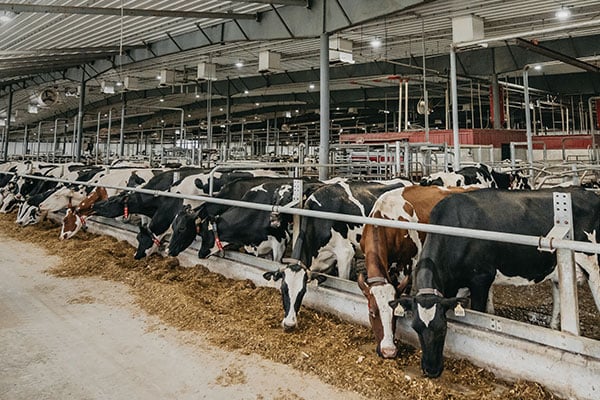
[(537, 67), (162, 100), (376, 43), (239, 64), (7, 16), (311, 86), (563, 13), (246, 91)]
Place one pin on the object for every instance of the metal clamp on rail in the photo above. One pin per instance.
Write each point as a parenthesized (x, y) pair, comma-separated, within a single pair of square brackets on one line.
[(563, 222)]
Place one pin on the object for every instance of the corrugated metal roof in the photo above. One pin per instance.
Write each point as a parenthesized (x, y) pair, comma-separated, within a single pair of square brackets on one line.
[(37, 42)]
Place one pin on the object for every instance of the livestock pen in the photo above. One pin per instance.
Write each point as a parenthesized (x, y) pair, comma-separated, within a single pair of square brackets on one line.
[(566, 363)]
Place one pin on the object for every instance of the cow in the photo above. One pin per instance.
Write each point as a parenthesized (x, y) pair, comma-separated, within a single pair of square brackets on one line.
[(150, 238), (448, 263), (136, 202), (324, 244), (249, 227), (70, 193), (186, 223), (479, 174), (75, 217), (384, 247)]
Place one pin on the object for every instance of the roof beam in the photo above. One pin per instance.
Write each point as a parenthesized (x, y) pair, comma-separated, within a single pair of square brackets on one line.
[(302, 3), (555, 55), (128, 12)]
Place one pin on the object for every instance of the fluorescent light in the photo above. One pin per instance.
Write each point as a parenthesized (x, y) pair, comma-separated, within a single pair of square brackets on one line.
[(376, 43), (239, 64), (563, 13), (311, 86), (162, 100), (7, 16), (537, 67), (246, 91)]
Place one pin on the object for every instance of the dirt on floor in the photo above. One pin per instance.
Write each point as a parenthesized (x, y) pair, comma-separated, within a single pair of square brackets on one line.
[(238, 315)]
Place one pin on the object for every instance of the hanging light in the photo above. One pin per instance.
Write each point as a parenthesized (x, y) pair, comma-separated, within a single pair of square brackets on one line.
[(376, 43), (563, 13), (7, 16)]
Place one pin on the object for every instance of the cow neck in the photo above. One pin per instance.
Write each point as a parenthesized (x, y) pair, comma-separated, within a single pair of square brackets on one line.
[(155, 239), (380, 276), (213, 225), (425, 279)]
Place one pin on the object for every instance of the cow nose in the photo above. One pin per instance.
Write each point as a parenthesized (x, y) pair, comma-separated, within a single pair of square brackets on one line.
[(433, 372), (387, 352), (287, 326)]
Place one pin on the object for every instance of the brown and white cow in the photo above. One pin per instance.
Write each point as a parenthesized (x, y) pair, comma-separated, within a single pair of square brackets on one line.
[(383, 246), (75, 217)]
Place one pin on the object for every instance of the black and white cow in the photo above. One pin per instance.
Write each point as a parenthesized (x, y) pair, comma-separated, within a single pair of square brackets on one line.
[(481, 175), (249, 227), (325, 244), (66, 194), (151, 237), (186, 224), (449, 263)]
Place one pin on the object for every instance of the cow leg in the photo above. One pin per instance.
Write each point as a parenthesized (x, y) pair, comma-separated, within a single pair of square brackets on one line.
[(489, 307), (590, 265), (344, 257), (480, 287), (554, 320)]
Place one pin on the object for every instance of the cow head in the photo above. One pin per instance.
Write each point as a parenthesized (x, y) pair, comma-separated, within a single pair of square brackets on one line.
[(209, 234), (148, 243), (11, 201), (379, 293), (185, 228), (71, 224), (294, 278), (429, 321), (28, 214)]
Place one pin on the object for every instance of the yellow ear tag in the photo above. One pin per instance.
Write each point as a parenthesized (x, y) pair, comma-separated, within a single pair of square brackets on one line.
[(399, 311), (459, 311)]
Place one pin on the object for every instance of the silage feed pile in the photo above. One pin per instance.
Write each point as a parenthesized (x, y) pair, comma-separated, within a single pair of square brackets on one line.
[(237, 315)]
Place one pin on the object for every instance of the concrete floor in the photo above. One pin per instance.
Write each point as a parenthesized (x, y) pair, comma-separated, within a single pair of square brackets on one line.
[(64, 338)]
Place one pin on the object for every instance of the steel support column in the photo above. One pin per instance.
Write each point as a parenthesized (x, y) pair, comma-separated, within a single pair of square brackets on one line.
[(454, 90), (324, 108), (528, 118), (80, 117), (7, 127)]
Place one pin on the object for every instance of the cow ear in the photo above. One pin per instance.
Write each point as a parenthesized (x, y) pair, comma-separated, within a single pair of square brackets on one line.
[(275, 275), (320, 278), (404, 303), (455, 302), (362, 284)]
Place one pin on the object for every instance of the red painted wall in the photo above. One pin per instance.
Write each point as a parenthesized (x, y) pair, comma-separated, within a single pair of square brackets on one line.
[(471, 136)]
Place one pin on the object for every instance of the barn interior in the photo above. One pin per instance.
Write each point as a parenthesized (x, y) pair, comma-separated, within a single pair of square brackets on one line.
[(210, 82)]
